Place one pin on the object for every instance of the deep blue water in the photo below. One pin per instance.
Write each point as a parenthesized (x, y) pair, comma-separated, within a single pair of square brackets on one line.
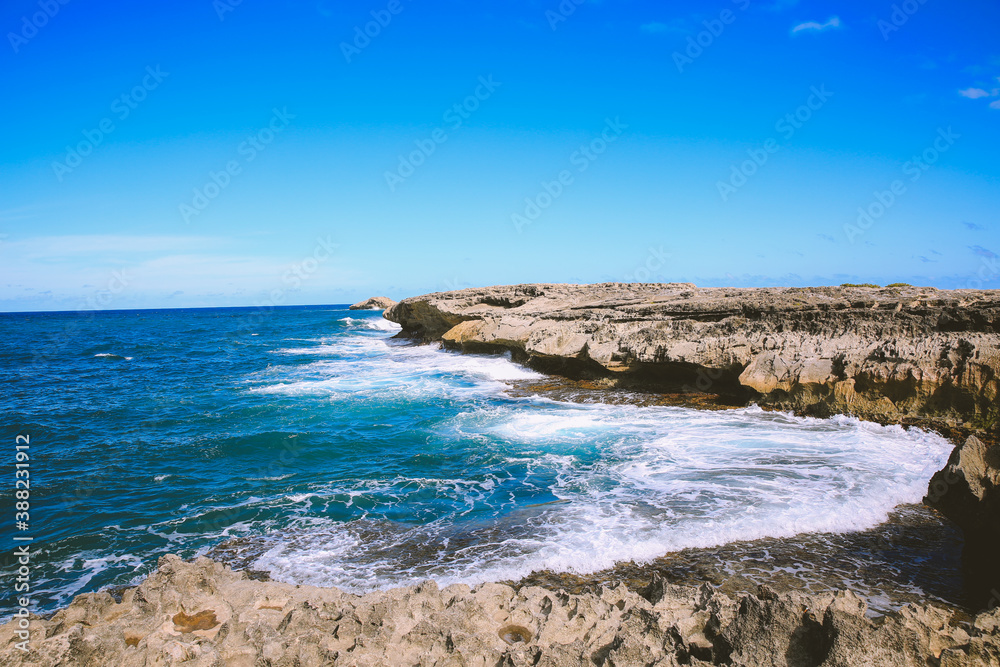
[(358, 460)]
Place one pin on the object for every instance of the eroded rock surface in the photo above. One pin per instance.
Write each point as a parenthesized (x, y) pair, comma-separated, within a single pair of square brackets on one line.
[(203, 614), (374, 303), (968, 491), (883, 354)]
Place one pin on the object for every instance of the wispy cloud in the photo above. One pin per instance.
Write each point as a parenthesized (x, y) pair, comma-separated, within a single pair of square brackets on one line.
[(827, 237), (983, 252), (973, 226), (815, 26), (976, 93), (973, 93), (102, 245)]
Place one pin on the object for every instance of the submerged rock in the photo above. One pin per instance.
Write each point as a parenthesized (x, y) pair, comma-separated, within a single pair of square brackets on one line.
[(201, 613), (374, 303)]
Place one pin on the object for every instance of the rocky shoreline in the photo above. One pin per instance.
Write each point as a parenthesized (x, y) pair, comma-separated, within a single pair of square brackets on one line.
[(202, 614), (885, 354), (895, 355), (910, 355)]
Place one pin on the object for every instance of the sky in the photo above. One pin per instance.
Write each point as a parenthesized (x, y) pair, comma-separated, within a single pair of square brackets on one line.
[(252, 153)]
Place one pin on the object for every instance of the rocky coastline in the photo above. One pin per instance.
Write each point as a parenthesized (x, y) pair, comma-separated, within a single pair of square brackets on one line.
[(883, 354), (901, 354), (895, 355), (202, 614)]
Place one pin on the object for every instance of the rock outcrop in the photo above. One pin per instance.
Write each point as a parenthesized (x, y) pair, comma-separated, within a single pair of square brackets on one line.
[(968, 491), (885, 354), (901, 354), (203, 614), (374, 303)]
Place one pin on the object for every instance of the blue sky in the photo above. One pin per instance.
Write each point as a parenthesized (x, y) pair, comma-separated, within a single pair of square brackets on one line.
[(221, 153)]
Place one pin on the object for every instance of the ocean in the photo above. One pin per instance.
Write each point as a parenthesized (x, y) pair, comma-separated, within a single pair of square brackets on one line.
[(316, 447)]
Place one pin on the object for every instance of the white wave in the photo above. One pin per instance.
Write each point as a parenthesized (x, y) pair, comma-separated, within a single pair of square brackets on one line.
[(577, 487), (627, 483), (277, 478), (376, 324), (367, 368), (109, 355)]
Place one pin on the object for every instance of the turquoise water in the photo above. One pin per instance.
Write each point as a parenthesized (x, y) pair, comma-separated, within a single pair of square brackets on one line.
[(354, 459)]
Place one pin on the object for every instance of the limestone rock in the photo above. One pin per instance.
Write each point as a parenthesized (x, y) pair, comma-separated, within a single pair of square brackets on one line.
[(374, 303), (203, 614), (882, 354)]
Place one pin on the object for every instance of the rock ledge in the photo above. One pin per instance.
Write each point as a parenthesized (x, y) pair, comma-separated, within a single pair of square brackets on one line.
[(202, 614)]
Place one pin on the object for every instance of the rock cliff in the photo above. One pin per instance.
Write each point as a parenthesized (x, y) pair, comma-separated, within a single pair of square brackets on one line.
[(374, 303), (202, 614), (885, 354)]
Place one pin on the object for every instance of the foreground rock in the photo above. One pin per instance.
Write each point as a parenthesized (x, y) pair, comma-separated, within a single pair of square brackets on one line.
[(968, 490), (203, 614), (881, 354), (374, 303)]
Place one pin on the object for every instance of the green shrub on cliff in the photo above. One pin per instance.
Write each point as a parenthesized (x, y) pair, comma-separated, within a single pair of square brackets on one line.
[(860, 285)]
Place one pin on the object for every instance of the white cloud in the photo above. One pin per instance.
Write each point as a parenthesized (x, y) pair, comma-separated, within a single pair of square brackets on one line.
[(995, 104), (973, 93), (833, 22), (100, 245)]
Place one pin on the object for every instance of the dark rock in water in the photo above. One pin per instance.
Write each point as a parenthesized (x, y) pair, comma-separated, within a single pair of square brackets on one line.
[(374, 303), (968, 490)]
